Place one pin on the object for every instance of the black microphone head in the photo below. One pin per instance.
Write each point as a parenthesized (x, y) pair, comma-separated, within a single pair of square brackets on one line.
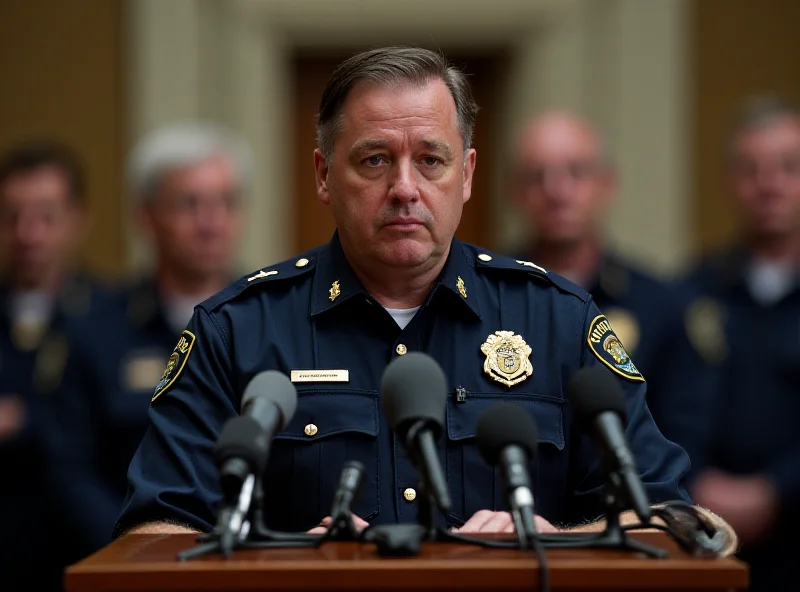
[(414, 387), (593, 390), (242, 437), (275, 387), (504, 424)]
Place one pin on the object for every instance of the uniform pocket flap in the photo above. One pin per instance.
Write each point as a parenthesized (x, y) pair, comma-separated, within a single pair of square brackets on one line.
[(326, 413), (547, 412)]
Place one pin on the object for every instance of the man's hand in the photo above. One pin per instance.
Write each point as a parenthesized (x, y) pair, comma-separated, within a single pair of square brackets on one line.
[(326, 522), (488, 521), (748, 503), (12, 416)]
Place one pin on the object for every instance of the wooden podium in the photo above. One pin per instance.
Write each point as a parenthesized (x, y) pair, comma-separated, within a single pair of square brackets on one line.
[(148, 562)]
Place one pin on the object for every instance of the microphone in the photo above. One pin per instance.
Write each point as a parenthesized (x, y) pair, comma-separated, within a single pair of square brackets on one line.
[(600, 405), (348, 489), (242, 449), (342, 526), (507, 435), (414, 396)]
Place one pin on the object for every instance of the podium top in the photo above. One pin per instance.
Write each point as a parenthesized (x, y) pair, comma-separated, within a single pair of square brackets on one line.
[(148, 562)]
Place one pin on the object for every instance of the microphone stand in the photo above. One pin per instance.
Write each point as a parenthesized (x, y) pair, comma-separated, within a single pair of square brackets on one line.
[(243, 527), (406, 539), (613, 535)]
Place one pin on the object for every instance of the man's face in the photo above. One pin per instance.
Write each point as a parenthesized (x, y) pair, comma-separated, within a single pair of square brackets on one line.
[(560, 183), (399, 177), (194, 219), (39, 222), (765, 177)]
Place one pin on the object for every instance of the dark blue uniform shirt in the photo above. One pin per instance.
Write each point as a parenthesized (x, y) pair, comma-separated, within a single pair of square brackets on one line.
[(115, 359), (31, 365), (752, 426), (311, 313)]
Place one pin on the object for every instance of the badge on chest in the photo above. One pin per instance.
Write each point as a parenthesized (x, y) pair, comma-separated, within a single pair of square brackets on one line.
[(507, 358)]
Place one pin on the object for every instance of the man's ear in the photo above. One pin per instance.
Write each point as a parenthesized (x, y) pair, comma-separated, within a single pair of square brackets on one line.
[(321, 169), (469, 171)]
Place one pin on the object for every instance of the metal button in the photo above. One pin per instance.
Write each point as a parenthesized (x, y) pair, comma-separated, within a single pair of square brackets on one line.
[(484, 257), (401, 350), (301, 262), (410, 494), (310, 430)]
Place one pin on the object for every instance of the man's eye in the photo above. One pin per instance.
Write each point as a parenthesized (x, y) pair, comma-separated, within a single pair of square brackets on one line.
[(431, 161), (374, 160)]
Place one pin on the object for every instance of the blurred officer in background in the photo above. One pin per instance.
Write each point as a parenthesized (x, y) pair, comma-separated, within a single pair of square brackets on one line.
[(564, 183), (42, 219), (188, 183), (744, 317)]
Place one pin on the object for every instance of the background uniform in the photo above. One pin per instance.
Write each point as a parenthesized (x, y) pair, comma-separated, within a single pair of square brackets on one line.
[(32, 360), (115, 359), (751, 424)]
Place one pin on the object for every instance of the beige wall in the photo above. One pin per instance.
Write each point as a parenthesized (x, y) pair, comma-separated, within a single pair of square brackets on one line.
[(582, 54), (659, 76)]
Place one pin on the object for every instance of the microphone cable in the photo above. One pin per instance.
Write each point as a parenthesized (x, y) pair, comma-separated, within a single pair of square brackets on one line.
[(541, 556)]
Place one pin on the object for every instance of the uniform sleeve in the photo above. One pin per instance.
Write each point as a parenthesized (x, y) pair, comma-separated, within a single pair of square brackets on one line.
[(86, 501), (172, 476), (661, 464)]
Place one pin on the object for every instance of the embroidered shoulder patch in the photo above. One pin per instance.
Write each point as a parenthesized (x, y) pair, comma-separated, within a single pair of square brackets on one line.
[(175, 363), (608, 348)]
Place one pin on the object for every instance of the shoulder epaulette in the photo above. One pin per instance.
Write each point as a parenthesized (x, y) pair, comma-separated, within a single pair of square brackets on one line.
[(490, 261), (274, 274), (485, 260)]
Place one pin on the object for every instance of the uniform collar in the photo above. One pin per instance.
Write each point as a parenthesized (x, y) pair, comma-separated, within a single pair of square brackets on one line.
[(74, 297), (612, 278), (335, 282), (145, 305), (730, 267)]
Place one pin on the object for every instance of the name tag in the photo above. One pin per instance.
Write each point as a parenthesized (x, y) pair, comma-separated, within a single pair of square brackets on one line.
[(320, 376)]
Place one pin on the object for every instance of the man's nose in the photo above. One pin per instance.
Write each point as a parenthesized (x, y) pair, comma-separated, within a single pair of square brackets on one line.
[(403, 185)]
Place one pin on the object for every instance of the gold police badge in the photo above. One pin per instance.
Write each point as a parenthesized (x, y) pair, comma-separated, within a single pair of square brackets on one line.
[(705, 327), (507, 358)]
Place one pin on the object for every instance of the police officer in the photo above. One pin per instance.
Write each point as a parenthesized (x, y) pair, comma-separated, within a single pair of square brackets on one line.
[(42, 217), (187, 181), (395, 166), (744, 317), (564, 183)]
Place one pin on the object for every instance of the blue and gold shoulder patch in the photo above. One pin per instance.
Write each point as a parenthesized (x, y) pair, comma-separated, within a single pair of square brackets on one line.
[(175, 363), (608, 348)]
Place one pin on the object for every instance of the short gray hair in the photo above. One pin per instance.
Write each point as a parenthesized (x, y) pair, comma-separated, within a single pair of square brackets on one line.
[(386, 66), (756, 112), (179, 145)]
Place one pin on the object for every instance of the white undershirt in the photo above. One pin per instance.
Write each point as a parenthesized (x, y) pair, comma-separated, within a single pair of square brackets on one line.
[(770, 281), (402, 316)]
